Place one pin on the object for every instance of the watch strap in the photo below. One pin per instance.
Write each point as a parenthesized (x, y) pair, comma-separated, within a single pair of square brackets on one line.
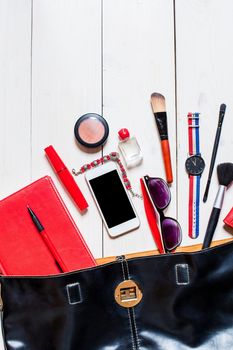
[(194, 181), (193, 133), (194, 206)]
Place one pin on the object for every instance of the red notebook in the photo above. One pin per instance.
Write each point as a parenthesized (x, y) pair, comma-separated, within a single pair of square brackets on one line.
[(22, 249)]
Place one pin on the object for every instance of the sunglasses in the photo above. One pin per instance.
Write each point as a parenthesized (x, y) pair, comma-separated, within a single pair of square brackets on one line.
[(160, 197)]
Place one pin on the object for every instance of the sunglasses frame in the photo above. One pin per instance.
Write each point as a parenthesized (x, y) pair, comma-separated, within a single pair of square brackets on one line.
[(160, 211)]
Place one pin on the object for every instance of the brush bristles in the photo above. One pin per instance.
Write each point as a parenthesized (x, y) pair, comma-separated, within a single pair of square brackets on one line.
[(158, 102), (225, 174)]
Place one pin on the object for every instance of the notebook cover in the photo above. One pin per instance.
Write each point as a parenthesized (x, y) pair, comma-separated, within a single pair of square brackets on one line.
[(22, 249)]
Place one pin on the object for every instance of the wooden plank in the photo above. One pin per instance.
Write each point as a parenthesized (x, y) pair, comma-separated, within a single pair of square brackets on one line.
[(204, 81), (66, 83), (189, 249), (138, 60), (15, 119), (15, 62)]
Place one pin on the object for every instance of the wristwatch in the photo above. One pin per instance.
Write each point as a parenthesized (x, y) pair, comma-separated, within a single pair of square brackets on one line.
[(194, 166)]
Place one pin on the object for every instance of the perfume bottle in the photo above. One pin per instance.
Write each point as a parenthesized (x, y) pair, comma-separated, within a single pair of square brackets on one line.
[(129, 148)]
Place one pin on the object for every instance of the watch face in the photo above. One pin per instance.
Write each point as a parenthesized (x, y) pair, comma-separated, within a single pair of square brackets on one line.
[(195, 165)]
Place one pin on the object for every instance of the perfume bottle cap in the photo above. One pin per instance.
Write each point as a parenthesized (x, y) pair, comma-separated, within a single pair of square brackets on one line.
[(124, 134)]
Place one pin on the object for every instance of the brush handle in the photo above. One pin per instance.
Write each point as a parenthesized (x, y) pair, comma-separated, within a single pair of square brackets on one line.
[(213, 220), (161, 122), (214, 153), (167, 160), (215, 149), (207, 189)]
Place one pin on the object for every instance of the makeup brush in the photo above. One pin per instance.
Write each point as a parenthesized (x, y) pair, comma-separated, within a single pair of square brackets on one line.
[(225, 177), (159, 109), (215, 149)]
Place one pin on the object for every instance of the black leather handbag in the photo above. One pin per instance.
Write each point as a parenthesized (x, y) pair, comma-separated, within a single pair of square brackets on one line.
[(163, 302)]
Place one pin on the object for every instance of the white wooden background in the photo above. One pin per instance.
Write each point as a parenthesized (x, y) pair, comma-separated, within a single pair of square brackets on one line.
[(60, 59)]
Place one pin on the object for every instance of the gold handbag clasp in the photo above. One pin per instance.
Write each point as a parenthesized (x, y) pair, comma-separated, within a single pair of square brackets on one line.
[(128, 294)]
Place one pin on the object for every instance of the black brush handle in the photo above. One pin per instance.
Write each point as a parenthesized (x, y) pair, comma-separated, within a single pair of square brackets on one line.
[(215, 149), (207, 187), (211, 227), (216, 142), (161, 121)]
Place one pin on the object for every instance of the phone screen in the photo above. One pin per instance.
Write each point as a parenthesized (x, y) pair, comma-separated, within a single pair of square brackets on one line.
[(112, 198)]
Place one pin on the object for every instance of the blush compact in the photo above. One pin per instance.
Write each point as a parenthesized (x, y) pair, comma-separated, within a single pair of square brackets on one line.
[(91, 130)]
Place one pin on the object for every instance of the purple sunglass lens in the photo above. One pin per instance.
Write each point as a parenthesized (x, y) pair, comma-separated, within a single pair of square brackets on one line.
[(159, 192), (171, 232)]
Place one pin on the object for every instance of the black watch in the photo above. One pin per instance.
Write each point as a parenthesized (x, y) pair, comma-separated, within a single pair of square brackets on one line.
[(195, 165)]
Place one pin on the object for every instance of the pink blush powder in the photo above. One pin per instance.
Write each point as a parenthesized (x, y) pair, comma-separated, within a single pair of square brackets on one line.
[(91, 130)]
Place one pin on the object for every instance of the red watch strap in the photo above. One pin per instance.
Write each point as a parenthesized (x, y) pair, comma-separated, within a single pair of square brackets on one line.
[(190, 206), (190, 133), (194, 181)]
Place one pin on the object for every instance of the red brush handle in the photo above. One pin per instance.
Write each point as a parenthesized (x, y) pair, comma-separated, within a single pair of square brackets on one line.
[(167, 160)]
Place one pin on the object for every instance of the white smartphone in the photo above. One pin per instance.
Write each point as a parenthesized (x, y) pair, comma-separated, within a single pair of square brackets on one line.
[(112, 199)]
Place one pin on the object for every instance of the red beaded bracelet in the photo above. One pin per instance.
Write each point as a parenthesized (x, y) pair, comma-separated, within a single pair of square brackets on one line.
[(115, 157)]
